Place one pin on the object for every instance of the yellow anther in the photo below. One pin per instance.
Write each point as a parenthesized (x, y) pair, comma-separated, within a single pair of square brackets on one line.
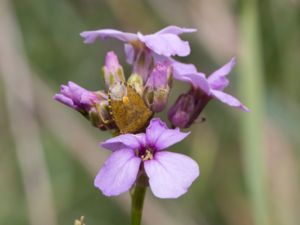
[(147, 156)]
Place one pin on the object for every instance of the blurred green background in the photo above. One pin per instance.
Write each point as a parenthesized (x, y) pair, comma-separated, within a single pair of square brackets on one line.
[(49, 154)]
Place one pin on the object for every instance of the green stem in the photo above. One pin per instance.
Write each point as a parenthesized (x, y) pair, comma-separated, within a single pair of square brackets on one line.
[(137, 201)]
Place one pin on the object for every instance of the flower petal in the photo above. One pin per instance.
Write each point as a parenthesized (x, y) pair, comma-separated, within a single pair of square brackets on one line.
[(229, 100), (91, 36), (181, 69), (170, 174), (65, 100), (166, 44), (118, 173), (133, 141), (199, 80), (158, 135), (217, 79), (176, 30), (76, 97), (129, 53)]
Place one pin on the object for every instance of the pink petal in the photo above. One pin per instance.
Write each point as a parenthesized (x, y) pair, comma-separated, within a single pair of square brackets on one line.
[(91, 36), (217, 79), (133, 141), (170, 174), (161, 137), (176, 30), (118, 173), (229, 100), (166, 44)]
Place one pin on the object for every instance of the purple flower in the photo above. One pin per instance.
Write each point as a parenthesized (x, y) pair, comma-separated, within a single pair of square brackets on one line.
[(143, 51), (158, 87), (112, 70), (170, 174), (92, 105), (165, 42), (182, 114), (214, 85), (76, 97)]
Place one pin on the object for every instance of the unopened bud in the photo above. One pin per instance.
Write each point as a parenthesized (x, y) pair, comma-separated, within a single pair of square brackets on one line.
[(158, 87), (187, 108), (136, 81), (143, 63), (112, 70), (92, 105), (76, 97), (99, 115), (117, 91)]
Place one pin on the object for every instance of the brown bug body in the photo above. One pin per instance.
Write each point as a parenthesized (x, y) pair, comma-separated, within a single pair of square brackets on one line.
[(130, 113)]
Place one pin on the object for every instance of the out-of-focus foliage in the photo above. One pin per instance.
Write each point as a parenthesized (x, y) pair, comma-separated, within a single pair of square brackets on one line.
[(55, 52)]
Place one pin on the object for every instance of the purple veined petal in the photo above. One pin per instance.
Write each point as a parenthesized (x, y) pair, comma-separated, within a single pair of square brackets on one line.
[(161, 137), (217, 79), (129, 53), (229, 100), (118, 173), (166, 44), (133, 141), (181, 69), (199, 80), (176, 30), (65, 100), (171, 174), (91, 36)]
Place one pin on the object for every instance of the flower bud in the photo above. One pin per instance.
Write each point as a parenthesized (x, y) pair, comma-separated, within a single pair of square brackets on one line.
[(136, 81), (187, 108), (118, 91), (158, 87), (92, 105), (76, 97), (112, 70), (99, 115), (143, 63)]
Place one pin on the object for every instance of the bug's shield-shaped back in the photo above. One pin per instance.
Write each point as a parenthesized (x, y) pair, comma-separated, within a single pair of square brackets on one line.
[(129, 110)]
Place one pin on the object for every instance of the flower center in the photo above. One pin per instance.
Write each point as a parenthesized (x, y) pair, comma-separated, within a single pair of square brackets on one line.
[(148, 155)]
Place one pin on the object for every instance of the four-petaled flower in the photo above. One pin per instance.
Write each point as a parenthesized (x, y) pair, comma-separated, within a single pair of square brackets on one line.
[(165, 42), (188, 106), (170, 174), (143, 51), (214, 85)]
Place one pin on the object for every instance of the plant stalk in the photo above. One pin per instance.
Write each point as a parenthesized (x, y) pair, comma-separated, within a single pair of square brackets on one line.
[(137, 200)]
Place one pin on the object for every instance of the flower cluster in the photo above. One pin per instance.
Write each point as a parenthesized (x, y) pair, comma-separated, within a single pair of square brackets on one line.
[(127, 107)]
